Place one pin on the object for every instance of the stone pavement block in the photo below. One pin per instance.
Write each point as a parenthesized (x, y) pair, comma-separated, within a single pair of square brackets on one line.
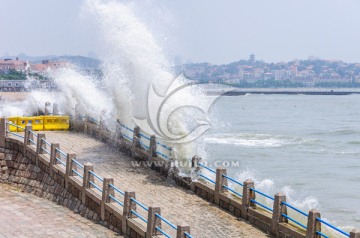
[(26, 215)]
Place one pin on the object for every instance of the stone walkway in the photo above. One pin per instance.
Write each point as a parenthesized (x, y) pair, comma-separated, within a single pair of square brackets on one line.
[(179, 206), (25, 215)]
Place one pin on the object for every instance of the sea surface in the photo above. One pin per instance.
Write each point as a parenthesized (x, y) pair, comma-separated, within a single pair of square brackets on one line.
[(305, 146)]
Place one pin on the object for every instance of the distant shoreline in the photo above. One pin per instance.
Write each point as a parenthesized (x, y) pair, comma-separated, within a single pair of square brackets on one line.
[(288, 91)]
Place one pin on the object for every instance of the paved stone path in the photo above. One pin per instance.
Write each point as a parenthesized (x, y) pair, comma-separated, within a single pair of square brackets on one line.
[(179, 206), (25, 215)]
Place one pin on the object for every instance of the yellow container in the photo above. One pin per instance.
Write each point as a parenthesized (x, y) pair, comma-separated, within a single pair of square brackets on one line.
[(12, 120), (56, 123), (37, 123)]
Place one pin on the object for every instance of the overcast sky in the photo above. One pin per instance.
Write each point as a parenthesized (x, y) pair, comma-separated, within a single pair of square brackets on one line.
[(201, 30)]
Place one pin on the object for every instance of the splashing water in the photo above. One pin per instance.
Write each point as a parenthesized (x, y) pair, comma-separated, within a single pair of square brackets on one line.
[(133, 62)]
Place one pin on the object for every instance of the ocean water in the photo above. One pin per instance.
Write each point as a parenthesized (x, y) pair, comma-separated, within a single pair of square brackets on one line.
[(305, 146)]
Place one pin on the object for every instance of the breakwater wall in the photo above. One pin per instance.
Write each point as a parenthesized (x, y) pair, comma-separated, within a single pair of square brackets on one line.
[(28, 161), (289, 91)]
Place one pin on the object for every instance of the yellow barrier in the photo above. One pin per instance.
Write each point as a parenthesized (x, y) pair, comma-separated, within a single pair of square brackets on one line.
[(40, 123), (56, 123), (37, 123), (13, 120)]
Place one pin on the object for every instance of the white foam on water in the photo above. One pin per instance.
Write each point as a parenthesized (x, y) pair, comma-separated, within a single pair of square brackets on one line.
[(251, 140), (294, 198)]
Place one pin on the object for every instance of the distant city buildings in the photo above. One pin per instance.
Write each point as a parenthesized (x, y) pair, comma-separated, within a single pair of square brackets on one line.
[(20, 75), (310, 72), (44, 68)]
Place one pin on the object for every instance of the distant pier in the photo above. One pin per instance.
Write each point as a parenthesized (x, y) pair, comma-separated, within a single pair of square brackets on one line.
[(289, 91)]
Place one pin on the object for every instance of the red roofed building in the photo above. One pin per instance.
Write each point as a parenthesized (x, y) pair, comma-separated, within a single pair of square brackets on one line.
[(46, 66), (10, 64), (21, 66)]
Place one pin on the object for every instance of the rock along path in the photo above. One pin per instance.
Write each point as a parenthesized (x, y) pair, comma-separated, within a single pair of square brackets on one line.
[(178, 205)]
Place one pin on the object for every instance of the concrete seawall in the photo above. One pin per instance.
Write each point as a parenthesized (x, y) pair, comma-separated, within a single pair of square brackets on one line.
[(21, 172)]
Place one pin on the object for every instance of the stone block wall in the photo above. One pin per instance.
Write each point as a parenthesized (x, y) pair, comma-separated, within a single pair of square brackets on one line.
[(21, 172)]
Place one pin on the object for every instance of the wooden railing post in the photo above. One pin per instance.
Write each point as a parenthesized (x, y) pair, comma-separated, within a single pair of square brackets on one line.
[(152, 147), (313, 224), (47, 108), (181, 231), (355, 233), (128, 206), (3, 131), (107, 190), (136, 138), (40, 145), (219, 184), (56, 110), (27, 137), (153, 222), (53, 155), (70, 166), (248, 194), (278, 209), (87, 177), (195, 160), (118, 133)]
